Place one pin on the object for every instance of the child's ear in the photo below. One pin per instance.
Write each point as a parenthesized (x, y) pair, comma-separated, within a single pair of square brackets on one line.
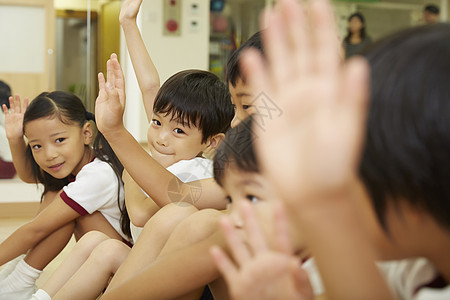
[(87, 133), (214, 142)]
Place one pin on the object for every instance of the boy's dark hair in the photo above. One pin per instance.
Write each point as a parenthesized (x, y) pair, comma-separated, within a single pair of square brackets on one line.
[(363, 29), (233, 70), (237, 150), (69, 109), (5, 93), (432, 9), (196, 98), (405, 157)]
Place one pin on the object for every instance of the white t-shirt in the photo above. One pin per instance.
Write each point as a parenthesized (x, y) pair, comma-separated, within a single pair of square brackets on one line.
[(5, 152), (187, 171), (413, 278), (95, 188)]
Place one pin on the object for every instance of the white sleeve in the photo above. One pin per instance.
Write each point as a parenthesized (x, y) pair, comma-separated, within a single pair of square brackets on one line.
[(95, 186), (193, 169)]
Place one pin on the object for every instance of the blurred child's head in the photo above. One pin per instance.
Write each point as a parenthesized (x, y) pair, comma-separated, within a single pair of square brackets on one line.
[(237, 171), (191, 113), (405, 166), (242, 96), (5, 93)]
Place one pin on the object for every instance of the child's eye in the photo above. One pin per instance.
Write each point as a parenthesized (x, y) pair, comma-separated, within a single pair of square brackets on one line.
[(36, 147), (156, 122), (178, 130), (252, 199), (60, 140), (246, 106)]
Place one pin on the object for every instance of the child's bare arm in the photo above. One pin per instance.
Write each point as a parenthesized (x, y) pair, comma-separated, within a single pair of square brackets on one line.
[(154, 179), (54, 216), (140, 208), (324, 107), (14, 133), (146, 73)]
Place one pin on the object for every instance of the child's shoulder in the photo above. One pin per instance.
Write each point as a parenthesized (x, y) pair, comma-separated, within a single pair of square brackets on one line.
[(96, 168), (193, 169)]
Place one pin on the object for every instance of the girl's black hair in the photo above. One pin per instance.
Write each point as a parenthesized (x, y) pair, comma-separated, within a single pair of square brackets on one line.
[(363, 29), (236, 149), (69, 109), (405, 157), (196, 98)]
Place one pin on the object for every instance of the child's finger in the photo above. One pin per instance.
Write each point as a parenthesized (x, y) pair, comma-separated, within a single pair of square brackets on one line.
[(274, 39), (224, 264), (101, 81), (5, 109), (25, 103), (11, 103), (118, 74), (17, 106), (109, 74), (235, 243), (297, 35), (255, 71), (282, 229), (253, 229), (326, 59)]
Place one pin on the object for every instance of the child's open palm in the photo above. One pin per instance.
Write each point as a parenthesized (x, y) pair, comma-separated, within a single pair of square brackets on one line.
[(256, 271), (14, 117), (110, 103), (312, 149), (129, 10)]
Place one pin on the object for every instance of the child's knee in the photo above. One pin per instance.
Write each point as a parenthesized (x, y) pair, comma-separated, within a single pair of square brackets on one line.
[(90, 241), (170, 215), (110, 253)]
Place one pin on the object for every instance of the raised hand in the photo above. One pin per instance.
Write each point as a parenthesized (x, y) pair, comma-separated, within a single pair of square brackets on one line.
[(256, 271), (312, 150), (129, 10), (14, 118), (110, 103)]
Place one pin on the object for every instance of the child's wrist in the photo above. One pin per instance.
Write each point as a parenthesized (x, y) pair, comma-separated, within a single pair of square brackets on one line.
[(16, 140), (127, 21)]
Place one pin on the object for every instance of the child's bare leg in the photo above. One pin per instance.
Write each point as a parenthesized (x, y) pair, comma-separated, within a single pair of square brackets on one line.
[(94, 222), (44, 252), (79, 254), (20, 283), (193, 229), (151, 240), (93, 276)]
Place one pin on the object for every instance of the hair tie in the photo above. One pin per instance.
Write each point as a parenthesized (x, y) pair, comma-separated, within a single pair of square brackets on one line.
[(90, 116)]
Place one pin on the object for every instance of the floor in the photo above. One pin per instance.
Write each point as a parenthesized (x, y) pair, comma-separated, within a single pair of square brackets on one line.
[(9, 225)]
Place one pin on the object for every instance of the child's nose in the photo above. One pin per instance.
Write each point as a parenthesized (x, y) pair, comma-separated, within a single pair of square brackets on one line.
[(236, 219), (162, 138), (238, 117), (51, 153)]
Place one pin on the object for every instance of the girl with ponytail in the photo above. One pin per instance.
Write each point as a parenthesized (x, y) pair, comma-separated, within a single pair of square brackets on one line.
[(50, 141)]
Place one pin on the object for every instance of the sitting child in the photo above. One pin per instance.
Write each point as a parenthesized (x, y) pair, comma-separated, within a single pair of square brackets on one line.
[(391, 204)]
